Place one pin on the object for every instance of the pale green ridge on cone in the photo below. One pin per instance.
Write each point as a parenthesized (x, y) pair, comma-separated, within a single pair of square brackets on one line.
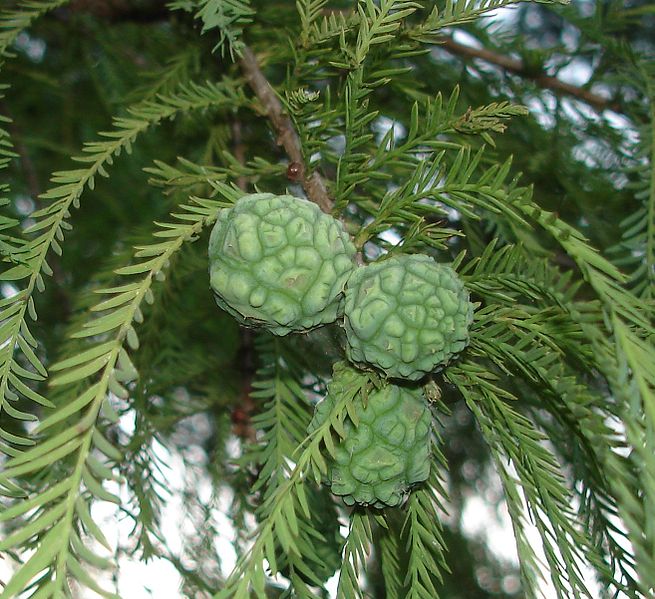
[(280, 263), (407, 316), (387, 452)]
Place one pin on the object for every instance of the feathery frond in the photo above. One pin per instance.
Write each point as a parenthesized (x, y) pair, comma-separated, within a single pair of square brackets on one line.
[(378, 23), (309, 12), (284, 505), (15, 20), (425, 544), (228, 16), (51, 223), (456, 13), (518, 447), (8, 243), (354, 556), (93, 377), (637, 247)]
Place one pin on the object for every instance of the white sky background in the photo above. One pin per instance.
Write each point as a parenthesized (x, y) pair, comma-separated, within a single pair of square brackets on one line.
[(158, 578)]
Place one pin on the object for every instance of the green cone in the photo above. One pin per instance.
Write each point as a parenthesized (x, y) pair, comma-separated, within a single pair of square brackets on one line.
[(279, 262), (406, 316), (388, 451)]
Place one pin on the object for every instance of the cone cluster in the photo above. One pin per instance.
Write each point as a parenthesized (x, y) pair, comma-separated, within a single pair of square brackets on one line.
[(280, 263)]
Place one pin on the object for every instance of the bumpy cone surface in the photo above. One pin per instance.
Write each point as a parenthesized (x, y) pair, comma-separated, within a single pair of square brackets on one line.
[(388, 450), (406, 315), (279, 262)]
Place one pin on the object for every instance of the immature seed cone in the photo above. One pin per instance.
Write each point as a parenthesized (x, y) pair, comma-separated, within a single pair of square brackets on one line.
[(279, 262), (386, 452), (406, 316)]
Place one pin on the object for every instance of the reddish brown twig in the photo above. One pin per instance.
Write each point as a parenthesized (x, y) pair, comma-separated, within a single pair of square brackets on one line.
[(513, 65), (245, 406), (287, 137)]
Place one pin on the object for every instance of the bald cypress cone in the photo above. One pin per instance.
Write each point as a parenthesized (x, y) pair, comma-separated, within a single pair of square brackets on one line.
[(280, 263), (386, 451), (407, 316)]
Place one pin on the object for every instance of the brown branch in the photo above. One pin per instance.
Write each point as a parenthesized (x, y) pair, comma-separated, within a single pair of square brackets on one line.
[(245, 406), (517, 67), (287, 136), (513, 65), (120, 10)]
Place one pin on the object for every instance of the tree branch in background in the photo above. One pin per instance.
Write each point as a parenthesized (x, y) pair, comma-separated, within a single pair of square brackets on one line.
[(123, 10), (287, 137), (516, 66)]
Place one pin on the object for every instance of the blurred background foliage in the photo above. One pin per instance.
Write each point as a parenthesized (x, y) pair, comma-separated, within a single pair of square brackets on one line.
[(83, 63)]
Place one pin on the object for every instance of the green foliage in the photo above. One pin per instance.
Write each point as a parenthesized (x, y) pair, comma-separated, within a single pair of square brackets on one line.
[(15, 20), (278, 383), (521, 184), (456, 13), (355, 554), (425, 544), (637, 247), (228, 16), (518, 446), (83, 444), (51, 223), (8, 242)]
